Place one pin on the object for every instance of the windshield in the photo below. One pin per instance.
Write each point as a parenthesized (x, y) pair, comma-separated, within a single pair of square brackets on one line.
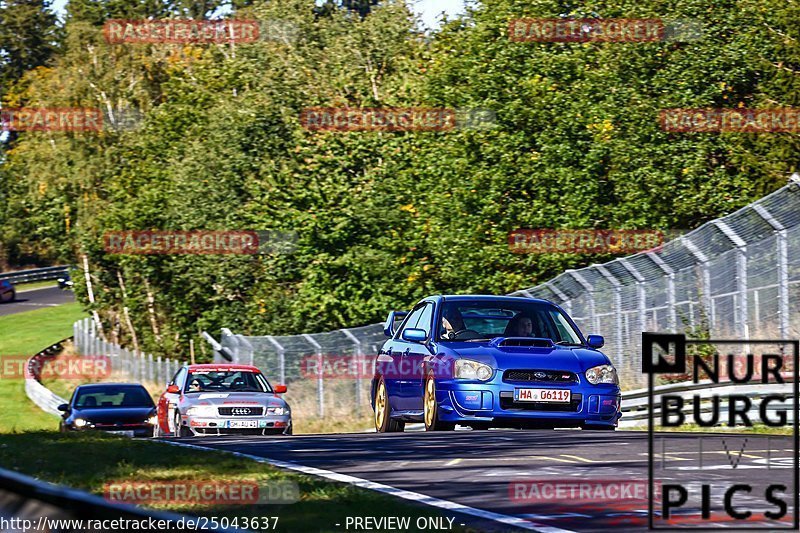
[(226, 381), (488, 319), (112, 397)]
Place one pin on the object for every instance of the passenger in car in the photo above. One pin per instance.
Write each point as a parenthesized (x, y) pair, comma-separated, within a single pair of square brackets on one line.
[(519, 326)]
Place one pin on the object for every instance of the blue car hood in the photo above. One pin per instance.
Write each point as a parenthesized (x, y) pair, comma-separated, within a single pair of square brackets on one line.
[(574, 359)]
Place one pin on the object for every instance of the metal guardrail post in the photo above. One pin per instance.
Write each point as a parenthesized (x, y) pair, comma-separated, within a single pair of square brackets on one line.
[(320, 384)]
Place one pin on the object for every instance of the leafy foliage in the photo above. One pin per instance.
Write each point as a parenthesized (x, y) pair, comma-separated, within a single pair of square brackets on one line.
[(383, 218)]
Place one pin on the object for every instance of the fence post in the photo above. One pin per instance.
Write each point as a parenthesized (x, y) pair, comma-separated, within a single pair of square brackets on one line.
[(672, 317), (617, 305), (590, 293), (741, 276), (358, 357), (320, 385), (281, 357), (566, 303), (782, 251)]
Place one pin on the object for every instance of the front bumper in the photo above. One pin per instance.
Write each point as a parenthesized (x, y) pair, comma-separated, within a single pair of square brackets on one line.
[(472, 401), (204, 425), (143, 430)]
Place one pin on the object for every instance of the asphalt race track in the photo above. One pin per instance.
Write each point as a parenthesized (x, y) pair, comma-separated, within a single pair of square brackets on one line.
[(478, 469), (36, 298)]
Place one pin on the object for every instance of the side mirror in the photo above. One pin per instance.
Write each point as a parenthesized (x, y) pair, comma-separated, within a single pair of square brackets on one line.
[(173, 389), (392, 321), (595, 341), (415, 335), (280, 389), (64, 407)]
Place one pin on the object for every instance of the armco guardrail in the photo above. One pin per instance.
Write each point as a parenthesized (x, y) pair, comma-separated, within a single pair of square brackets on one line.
[(43, 397), (635, 403), (48, 507), (35, 274), (37, 505)]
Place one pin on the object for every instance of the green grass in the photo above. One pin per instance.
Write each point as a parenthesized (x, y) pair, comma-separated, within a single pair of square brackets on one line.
[(88, 460), (24, 334)]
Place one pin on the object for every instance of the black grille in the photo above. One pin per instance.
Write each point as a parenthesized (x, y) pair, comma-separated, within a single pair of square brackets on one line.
[(507, 403), (540, 376), (241, 411)]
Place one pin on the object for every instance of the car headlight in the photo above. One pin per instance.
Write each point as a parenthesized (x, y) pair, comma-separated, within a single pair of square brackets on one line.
[(468, 369), (277, 410), (153, 420), (602, 374), (202, 410), (79, 423)]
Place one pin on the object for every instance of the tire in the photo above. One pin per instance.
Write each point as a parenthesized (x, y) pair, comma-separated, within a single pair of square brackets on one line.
[(384, 423), (180, 430), (431, 409), (289, 430)]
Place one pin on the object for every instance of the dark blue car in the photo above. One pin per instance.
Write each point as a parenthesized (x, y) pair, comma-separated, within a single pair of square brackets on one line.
[(492, 361)]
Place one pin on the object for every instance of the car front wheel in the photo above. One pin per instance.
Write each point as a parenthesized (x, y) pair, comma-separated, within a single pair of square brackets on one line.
[(180, 429), (431, 409), (383, 421)]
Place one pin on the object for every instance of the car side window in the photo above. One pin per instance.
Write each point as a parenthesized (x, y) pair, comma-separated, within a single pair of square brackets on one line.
[(411, 320), (425, 319), (179, 377)]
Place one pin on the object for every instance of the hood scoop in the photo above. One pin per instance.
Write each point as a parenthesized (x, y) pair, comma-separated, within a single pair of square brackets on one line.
[(530, 342)]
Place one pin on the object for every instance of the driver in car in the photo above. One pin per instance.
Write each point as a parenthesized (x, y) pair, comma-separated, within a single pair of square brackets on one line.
[(453, 322), (195, 386)]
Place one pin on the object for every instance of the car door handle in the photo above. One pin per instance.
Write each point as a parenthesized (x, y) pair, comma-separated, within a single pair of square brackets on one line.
[(405, 354)]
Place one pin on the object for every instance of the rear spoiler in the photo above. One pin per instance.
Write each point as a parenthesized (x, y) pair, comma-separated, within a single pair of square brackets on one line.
[(392, 321)]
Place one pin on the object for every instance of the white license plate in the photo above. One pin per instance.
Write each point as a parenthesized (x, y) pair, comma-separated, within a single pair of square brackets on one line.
[(542, 395), (122, 433), (242, 424)]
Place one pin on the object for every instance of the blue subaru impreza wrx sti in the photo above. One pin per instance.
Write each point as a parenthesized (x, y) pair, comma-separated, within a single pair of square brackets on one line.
[(491, 361)]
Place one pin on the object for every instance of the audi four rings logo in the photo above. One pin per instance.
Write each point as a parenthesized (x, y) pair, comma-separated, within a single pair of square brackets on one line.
[(241, 411)]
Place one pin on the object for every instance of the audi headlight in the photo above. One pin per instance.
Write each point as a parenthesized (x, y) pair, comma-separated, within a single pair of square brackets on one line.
[(602, 374), (79, 423), (277, 410), (202, 410), (467, 369)]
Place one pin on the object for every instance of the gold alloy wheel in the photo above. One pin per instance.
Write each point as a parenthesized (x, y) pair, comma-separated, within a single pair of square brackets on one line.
[(430, 402), (380, 406)]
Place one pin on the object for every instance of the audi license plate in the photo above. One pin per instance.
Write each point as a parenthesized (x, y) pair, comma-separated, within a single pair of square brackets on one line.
[(542, 395), (242, 424)]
